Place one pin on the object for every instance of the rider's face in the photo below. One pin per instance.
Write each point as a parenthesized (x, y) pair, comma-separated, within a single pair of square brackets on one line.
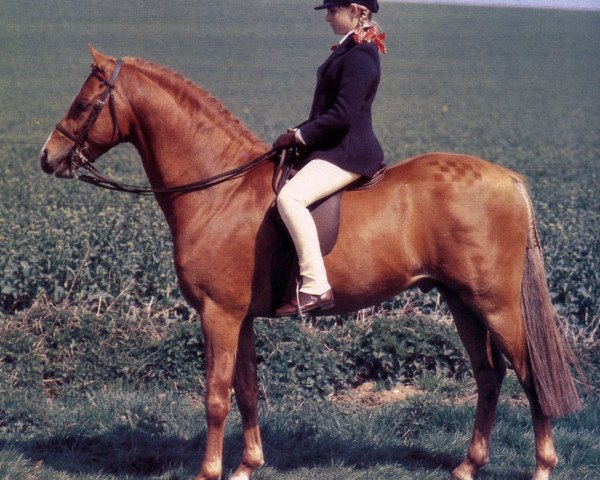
[(342, 19)]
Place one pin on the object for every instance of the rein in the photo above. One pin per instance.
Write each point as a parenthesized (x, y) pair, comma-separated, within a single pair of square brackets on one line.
[(94, 177), (99, 180)]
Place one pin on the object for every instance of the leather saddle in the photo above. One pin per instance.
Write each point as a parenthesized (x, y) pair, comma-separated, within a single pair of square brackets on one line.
[(326, 214)]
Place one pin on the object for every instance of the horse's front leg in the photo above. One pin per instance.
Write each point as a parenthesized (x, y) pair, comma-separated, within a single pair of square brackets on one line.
[(246, 393), (221, 331)]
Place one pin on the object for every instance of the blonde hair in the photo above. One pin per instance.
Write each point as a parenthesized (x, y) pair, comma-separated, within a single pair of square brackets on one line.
[(366, 17)]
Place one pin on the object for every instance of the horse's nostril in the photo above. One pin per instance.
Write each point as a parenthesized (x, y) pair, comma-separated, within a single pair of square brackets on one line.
[(46, 167)]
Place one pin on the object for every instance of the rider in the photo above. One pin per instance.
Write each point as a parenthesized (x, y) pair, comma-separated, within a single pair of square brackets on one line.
[(338, 138)]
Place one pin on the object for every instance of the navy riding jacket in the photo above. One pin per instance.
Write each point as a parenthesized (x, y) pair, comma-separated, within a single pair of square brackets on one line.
[(339, 128)]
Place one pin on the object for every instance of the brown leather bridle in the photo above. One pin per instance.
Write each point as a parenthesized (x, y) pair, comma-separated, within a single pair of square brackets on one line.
[(78, 158)]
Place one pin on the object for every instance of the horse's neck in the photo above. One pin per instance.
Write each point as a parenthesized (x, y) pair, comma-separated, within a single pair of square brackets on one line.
[(181, 132), (183, 135)]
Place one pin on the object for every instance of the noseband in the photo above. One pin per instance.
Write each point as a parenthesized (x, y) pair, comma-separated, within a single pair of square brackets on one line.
[(78, 158)]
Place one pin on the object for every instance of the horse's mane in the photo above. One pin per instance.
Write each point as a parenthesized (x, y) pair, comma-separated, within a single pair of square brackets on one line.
[(196, 98)]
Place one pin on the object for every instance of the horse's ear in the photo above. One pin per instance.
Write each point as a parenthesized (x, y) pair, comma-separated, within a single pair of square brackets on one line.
[(100, 60)]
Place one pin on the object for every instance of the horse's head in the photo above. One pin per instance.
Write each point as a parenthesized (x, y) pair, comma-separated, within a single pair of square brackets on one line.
[(91, 126)]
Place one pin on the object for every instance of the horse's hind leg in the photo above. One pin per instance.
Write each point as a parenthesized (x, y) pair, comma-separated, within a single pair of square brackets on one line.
[(509, 331), (489, 370), (545, 453), (246, 392)]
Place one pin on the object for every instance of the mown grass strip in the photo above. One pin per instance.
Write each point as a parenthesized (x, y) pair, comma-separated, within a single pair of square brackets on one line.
[(120, 433)]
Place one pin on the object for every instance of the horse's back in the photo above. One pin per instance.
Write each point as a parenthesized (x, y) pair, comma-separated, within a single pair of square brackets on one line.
[(453, 219), (451, 168), (443, 183), (452, 183)]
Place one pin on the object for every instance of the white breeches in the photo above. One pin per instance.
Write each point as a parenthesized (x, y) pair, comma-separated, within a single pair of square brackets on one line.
[(318, 179)]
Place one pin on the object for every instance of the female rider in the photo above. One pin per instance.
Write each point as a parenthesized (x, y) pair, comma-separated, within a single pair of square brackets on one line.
[(338, 138)]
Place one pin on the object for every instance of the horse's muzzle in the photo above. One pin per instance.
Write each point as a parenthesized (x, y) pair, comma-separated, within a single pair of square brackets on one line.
[(57, 167)]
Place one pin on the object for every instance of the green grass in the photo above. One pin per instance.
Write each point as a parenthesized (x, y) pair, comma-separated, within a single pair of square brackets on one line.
[(518, 87), (154, 434)]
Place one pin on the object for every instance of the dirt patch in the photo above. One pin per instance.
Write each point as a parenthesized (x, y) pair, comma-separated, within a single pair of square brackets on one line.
[(368, 395)]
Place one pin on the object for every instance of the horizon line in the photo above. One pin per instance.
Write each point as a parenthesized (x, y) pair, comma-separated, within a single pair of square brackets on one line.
[(572, 5)]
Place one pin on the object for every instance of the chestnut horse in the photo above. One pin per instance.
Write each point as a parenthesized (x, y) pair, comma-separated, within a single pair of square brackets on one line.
[(454, 222)]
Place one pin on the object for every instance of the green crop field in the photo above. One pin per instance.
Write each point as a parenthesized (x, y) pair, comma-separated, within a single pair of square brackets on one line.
[(101, 359)]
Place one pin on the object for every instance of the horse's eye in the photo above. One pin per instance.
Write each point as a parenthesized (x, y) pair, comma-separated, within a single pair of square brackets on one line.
[(82, 105)]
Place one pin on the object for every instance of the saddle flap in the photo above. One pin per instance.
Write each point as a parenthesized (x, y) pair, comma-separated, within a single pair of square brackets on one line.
[(326, 214)]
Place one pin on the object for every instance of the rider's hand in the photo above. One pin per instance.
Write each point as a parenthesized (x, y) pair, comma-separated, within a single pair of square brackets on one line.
[(285, 140)]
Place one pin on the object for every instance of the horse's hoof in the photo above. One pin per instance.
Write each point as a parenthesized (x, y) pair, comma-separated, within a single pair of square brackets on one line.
[(539, 474), (461, 477), (240, 476), (244, 471), (461, 473)]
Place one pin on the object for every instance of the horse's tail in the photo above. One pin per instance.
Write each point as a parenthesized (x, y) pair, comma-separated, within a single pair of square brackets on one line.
[(549, 354)]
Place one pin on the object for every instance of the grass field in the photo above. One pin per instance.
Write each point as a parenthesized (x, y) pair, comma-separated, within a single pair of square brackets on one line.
[(83, 270), (126, 434)]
